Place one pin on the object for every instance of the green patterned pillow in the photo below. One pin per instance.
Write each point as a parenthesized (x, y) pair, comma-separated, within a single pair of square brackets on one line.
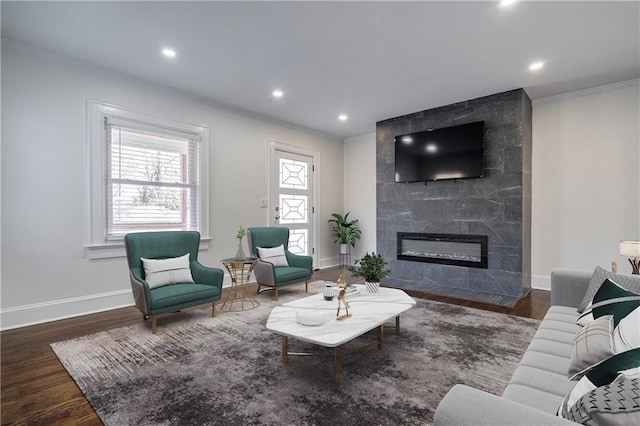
[(615, 404), (625, 301), (629, 282), (603, 373), (611, 299)]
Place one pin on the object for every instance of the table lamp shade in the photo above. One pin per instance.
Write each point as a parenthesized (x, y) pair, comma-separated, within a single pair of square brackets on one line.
[(630, 249)]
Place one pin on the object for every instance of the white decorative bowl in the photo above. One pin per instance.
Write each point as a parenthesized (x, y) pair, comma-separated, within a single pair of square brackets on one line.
[(305, 317)]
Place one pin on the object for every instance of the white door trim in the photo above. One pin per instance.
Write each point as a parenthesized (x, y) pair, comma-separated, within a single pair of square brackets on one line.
[(272, 147)]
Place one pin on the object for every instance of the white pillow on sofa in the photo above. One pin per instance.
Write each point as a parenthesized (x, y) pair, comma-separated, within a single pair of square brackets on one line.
[(627, 334), (159, 272), (273, 255), (592, 344)]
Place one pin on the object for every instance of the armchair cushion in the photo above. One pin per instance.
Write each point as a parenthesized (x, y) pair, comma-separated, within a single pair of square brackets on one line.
[(288, 275), (159, 272), (274, 255), (175, 297)]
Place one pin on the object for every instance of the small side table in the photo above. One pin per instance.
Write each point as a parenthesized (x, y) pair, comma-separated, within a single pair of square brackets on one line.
[(239, 298)]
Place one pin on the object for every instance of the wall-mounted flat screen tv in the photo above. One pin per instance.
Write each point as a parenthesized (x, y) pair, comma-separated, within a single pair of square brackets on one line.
[(448, 153)]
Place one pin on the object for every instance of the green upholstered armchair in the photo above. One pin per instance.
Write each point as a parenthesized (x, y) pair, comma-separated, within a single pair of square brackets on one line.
[(300, 267), (153, 301)]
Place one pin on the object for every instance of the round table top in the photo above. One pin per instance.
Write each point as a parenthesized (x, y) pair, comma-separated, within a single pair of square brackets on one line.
[(246, 260)]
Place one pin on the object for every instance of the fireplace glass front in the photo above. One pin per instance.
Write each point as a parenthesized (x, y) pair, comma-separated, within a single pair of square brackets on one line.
[(449, 249)]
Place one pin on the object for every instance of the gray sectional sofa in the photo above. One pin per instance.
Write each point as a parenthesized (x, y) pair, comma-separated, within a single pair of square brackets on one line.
[(540, 381)]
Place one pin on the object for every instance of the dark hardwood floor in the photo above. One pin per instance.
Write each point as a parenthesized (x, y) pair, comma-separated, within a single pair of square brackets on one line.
[(36, 389)]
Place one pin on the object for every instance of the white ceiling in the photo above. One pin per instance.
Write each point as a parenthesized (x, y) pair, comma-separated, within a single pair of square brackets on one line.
[(370, 60)]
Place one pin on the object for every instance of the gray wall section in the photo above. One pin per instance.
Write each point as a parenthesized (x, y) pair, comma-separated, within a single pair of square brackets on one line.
[(498, 205)]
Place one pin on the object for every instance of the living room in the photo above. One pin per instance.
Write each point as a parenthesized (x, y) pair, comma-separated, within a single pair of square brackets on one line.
[(585, 155)]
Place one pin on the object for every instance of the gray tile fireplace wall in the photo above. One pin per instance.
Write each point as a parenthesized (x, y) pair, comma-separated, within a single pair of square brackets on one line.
[(497, 205)]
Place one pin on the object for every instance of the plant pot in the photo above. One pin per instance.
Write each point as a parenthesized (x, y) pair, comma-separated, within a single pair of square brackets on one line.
[(372, 287), (345, 249)]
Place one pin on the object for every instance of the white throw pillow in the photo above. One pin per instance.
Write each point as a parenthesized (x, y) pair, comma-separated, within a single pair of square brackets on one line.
[(592, 344), (273, 255), (159, 272), (627, 334), (586, 317)]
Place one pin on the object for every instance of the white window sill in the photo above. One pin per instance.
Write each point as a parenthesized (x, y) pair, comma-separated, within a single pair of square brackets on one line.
[(114, 250)]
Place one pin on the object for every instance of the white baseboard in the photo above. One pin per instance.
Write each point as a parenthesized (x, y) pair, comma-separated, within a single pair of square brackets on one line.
[(328, 262), (38, 313), (541, 282)]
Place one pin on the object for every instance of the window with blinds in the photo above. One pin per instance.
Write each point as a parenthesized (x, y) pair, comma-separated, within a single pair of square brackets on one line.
[(151, 178)]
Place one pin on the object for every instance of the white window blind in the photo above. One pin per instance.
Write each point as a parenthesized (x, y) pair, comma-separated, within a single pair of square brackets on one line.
[(152, 178)]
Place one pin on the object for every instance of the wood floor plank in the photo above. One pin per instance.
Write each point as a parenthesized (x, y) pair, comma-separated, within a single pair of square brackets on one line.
[(35, 388)]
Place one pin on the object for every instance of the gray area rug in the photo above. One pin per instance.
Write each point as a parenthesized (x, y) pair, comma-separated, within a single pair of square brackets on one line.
[(199, 370)]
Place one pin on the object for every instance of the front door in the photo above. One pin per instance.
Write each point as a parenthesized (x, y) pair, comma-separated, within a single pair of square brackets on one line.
[(292, 176)]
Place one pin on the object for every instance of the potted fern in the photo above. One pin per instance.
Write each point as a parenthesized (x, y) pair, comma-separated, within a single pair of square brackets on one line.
[(345, 232), (371, 267)]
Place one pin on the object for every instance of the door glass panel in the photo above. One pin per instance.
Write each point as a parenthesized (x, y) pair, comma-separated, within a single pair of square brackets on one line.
[(298, 241), (293, 209), (293, 174)]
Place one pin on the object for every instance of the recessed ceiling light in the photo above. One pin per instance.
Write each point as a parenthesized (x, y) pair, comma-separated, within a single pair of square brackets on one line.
[(170, 53), (431, 148), (535, 66), (343, 117), (505, 3), (277, 93)]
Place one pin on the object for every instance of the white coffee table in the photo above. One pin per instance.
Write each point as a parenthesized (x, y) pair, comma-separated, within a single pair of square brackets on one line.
[(368, 311)]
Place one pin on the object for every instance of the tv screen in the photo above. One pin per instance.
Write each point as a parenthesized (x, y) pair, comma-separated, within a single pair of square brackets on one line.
[(448, 153)]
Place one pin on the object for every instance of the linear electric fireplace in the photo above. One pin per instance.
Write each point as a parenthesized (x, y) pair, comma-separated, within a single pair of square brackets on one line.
[(448, 249)]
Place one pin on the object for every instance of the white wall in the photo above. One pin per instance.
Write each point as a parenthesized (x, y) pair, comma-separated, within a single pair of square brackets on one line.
[(360, 189), (45, 271), (586, 178)]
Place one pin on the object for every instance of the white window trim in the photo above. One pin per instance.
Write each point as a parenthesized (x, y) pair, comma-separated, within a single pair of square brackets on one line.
[(96, 216)]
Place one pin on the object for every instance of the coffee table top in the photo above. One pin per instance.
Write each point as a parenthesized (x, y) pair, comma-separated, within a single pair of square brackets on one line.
[(369, 310)]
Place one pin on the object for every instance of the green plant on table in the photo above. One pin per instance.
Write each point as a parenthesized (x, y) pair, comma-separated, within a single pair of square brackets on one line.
[(241, 233), (371, 267)]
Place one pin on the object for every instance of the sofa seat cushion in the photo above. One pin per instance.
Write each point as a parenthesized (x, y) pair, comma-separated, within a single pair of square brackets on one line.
[(551, 347), (555, 336), (290, 274), (534, 398), (175, 295), (542, 380), (545, 361), (553, 324)]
